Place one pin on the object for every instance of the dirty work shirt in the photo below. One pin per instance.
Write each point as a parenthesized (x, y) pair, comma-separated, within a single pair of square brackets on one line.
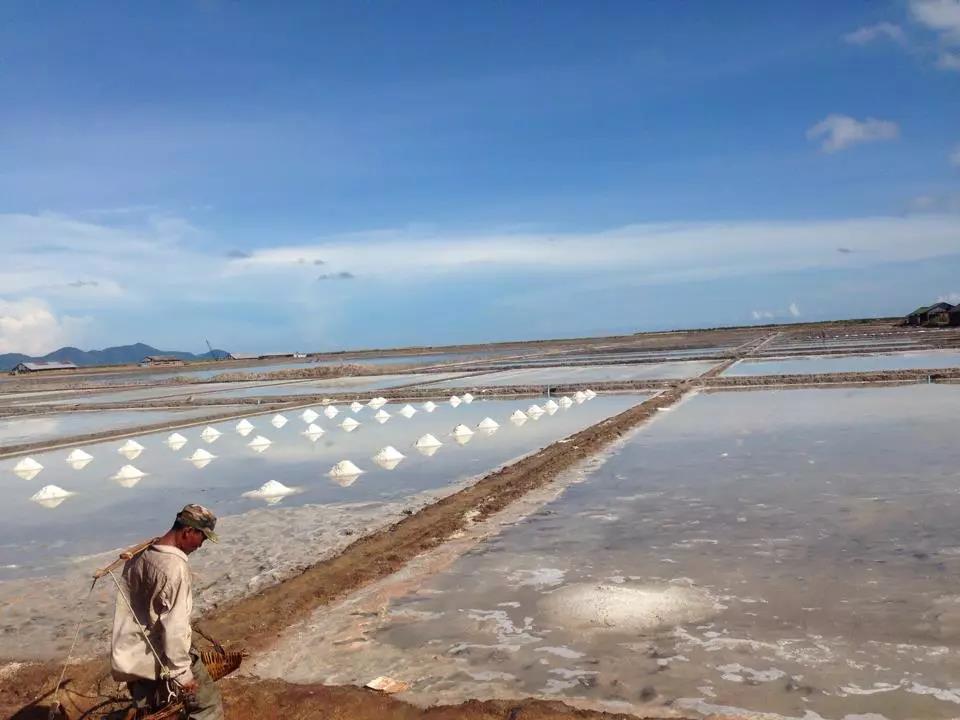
[(160, 593)]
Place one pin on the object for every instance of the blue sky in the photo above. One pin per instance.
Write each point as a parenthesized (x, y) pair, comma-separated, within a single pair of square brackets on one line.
[(330, 175)]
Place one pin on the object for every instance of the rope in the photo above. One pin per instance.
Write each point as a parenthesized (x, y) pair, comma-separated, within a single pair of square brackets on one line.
[(73, 645), (164, 671)]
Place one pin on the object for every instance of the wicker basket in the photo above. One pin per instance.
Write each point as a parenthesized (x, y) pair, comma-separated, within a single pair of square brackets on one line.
[(218, 664)]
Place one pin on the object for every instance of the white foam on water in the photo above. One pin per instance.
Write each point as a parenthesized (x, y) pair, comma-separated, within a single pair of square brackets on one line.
[(50, 496), (488, 423), (454, 400), (382, 416), (408, 411), (356, 407), (272, 491), (308, 415), (313, 431), (344, 468), (461, 430), (330, 411), (467, 398), (349, 424), (428, 441), (429, 406), (278, 421)]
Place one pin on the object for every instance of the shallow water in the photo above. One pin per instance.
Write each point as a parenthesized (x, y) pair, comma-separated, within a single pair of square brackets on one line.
[(583, 374), (32, 428), (103, 514), (847, 363), (822, 523)]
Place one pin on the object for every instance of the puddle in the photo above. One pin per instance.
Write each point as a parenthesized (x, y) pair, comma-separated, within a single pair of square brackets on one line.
[(791, 552), (847, 363)]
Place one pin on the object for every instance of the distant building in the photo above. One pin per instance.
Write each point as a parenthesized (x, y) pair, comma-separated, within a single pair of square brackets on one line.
[(944, 317), (34, 367), (264, 356), (161, 361), (918, 316)]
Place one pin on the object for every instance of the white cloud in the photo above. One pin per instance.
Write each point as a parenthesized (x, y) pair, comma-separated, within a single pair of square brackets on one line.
[(869, 33), (952, 298), (838, 132), (955, 156), (762, 314), (941, 16), (29, 326), (794, 310), (949, 61)]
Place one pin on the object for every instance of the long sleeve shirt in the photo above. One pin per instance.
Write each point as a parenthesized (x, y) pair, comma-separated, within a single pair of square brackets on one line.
[(159, 589)]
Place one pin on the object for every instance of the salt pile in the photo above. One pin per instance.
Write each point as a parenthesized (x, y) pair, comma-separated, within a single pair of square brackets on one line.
[(278, 421), (175, 441), (331, 411), (488, 424), (244, 427), (49, 496), (467, 398), (427, 441), (271, 491), (349, 424), (308, 415), (128, 476), (579, 397), (565, 402), (377, 402), (210, 434), (408, 411), (345, 472), (534, 411), (388, 458), (259, 444), (590, 394), (429, 406), (550, 406), (356, 407), (78, 459), (382, 416), (454, 400), (428, 451), (622, 608), (131, 449), (313, 431), (518, 418), (201, 458), (461, 430), (28, 468)]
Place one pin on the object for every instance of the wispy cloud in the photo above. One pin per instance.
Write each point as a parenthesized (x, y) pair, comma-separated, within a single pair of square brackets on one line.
[(941, 16), (336, 276), (949, 61), (792, 311), (880, 31), (838, 132), (955, 156)]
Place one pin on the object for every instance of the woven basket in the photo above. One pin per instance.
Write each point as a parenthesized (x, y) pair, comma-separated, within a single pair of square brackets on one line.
[(218, 664)]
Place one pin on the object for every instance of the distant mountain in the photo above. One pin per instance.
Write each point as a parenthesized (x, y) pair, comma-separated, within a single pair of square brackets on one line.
[(120, 355)]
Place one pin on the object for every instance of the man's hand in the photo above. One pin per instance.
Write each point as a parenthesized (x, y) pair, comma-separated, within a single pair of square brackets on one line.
[(189, 692)]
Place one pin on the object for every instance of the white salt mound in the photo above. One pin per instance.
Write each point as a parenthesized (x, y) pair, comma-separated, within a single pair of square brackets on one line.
[(129, 472), (408, 411), (344, 468), (467, 398), (28, 464), (308, 415), (462, 431), (550, 405), (201, 454), (429, 406), (313, 430), (356, 407), (382, 416), (50, 492), (176, 439), (259, 441), (389, 454), (454, 400), (271, 489), (428, 441), (590, 394), (624, 608), (534, 411), (278, 420), (77, 455), (244, 426), (331, 411), (488, 424), (518, 416), (210, 433), (565, 402), (428, 451), (579, 397), (349, 424), (130, 446), (377, 402)]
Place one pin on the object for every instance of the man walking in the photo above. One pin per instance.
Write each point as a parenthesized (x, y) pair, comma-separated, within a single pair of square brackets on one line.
[(152, 638)]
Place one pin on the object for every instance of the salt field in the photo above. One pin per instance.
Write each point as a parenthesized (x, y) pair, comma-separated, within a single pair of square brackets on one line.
[(585, 374), (797, 559), (847, 363)]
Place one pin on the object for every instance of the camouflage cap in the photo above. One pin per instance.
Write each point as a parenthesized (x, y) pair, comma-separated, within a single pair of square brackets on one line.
[(197, 516)]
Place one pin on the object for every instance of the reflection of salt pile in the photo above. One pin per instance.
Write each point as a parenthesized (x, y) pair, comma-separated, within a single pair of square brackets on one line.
[(175, 441), (308, 415), (49, 496), (590, 394), (462, 434), (349, 424), (259, 444), (518, 418), (377, 402), (579, 397), (534, 411), (131, 449), (345, 473), (209, 434), (278, 421), (78, 459), (429, 406), (244, 427), (408, 411), (128, 476), (388, 458), (330, 411), (382, 416), (313, 431), (201, 458), (28, 468), (622, 608), (454, 400), (565, 402), (271, 491), (467, 398), (356, 407)]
